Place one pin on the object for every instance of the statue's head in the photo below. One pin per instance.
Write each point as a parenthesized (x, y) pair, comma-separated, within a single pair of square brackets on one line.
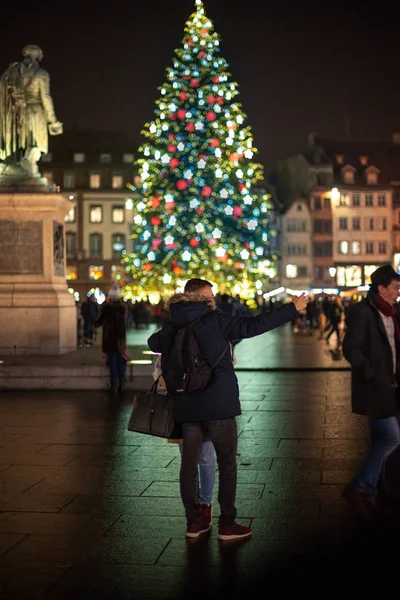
[(32, 53)]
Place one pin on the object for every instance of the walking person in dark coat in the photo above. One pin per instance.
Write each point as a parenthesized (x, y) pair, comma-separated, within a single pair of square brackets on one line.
[(211, 411), (371, 345), (112, 318), (90, 312)]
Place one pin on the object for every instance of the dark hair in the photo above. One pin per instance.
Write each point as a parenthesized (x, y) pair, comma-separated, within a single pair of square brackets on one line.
[(383, 276), (194, 285)]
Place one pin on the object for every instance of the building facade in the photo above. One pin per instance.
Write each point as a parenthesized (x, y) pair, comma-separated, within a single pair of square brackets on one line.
[(96, 171), (296, 250)]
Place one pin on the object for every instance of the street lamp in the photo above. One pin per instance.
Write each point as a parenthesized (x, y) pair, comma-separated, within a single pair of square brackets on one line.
[(335, 194), (332, 271)]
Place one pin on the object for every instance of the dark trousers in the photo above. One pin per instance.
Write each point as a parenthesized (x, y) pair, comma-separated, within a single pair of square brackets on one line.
[(334, 329), (223, 434), (116, 364)]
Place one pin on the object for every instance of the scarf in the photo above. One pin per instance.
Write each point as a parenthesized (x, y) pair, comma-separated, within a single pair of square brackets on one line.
[(389, 310)]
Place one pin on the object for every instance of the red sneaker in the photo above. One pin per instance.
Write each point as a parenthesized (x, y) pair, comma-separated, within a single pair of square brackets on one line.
[(193, 531), (206, 513), (234, 532)]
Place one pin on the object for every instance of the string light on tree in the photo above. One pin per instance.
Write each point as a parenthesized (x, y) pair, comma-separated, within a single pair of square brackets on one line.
[(200, 215)]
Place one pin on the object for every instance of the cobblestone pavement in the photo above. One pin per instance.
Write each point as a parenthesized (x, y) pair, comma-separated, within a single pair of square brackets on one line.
[(90, 510)]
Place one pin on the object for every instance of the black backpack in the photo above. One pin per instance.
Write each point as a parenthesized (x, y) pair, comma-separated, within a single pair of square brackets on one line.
[(183, 367)]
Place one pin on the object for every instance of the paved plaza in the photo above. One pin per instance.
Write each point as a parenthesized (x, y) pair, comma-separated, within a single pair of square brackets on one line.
[(90, 510)]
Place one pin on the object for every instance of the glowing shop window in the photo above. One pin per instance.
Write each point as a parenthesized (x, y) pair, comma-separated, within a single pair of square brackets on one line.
[(118, 214), (96, 272), (70, 218), (291, 271), (341, 276), (368, 270), (96, 214), (117, 182), (353, 276), (95, 180), (71, 273)]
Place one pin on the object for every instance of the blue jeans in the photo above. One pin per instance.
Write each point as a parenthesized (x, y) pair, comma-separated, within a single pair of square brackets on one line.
[(206, 481), (384, 439), (116, 363)]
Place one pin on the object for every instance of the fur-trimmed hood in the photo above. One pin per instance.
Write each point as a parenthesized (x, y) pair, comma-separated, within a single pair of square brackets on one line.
[(189, 297)]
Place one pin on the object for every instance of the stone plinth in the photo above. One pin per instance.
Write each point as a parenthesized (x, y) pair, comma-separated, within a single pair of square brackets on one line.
[(37, 313)]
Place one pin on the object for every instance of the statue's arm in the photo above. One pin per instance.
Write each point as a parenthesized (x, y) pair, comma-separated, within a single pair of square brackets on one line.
[(47, 100)]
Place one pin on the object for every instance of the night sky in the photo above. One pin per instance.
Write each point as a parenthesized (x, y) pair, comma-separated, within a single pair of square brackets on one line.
[(300, 66)]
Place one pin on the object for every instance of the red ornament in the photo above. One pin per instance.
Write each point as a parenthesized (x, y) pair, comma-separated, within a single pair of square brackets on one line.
[(202, 54), (147, 267), (171, 148), (170, 246), (155, 202), (177, 270), (155, 221), (211, 100), (155, 243), (203, 31), (214, 142), (186, 77), (183, 96), (206, 191), (171, 136), (199, 210), (174, 262), (203, 156), (190, 42), (190, 127), (194, 83), (212, 241), (219, 100), (237, 211), (181, 113), (247, 244), (239, 265), (181, 184), (215, 79), (194, 243), (211, 116), (172, 116), (241, 187), (223, 258), (173, 163), (234, 157)]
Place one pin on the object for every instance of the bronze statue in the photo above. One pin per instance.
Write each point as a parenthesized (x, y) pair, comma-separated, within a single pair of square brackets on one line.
[(26, 114)]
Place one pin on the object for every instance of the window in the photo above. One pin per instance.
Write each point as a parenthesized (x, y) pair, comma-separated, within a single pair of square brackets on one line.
[(297, 250), (356, 223), (369, 200), (348, 176), (343, 223), (118, 244), (356, 199), (79, 157), (297, 225), (118, 214), (96, 214), (96, 245), (94, 180), (96, 272), (339, 159), (71, 273), (319, 273), (371, 224), (382, 247), (323, 249), (69, 180), (327, 203), (369, 247), (381, 199), (343, 247), (105, 158), (299, 208), (128, 158), (117, 182), (355, 247), (302, 271), (49, 175), (322, 179), (70, 218), (117, 272), (368, 270), (363, 160), (317, 203), (70, 243), (372, 177), (291, 271), (344, 200), (47, 157), (384, 224)]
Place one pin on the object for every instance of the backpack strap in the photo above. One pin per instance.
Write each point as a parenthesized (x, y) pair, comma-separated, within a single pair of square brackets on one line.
[(221, 356)]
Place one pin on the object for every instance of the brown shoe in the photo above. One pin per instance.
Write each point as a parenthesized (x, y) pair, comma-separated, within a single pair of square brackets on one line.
[(359, 503)]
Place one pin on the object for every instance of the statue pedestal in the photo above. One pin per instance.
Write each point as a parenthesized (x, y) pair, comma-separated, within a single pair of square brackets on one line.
[(37, 313)]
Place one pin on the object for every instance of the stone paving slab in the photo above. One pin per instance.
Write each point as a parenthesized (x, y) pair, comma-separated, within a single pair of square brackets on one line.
[(90, 510)]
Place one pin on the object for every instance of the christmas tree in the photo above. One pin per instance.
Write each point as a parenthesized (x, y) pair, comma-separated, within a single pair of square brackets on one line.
[(199, 215)]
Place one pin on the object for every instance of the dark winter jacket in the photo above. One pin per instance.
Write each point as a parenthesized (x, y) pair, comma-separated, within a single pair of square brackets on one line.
[(112, 318), (367, 348), (220, 399)]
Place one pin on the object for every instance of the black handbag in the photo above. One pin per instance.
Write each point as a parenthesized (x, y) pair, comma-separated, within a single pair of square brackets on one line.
[(154, 414)]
